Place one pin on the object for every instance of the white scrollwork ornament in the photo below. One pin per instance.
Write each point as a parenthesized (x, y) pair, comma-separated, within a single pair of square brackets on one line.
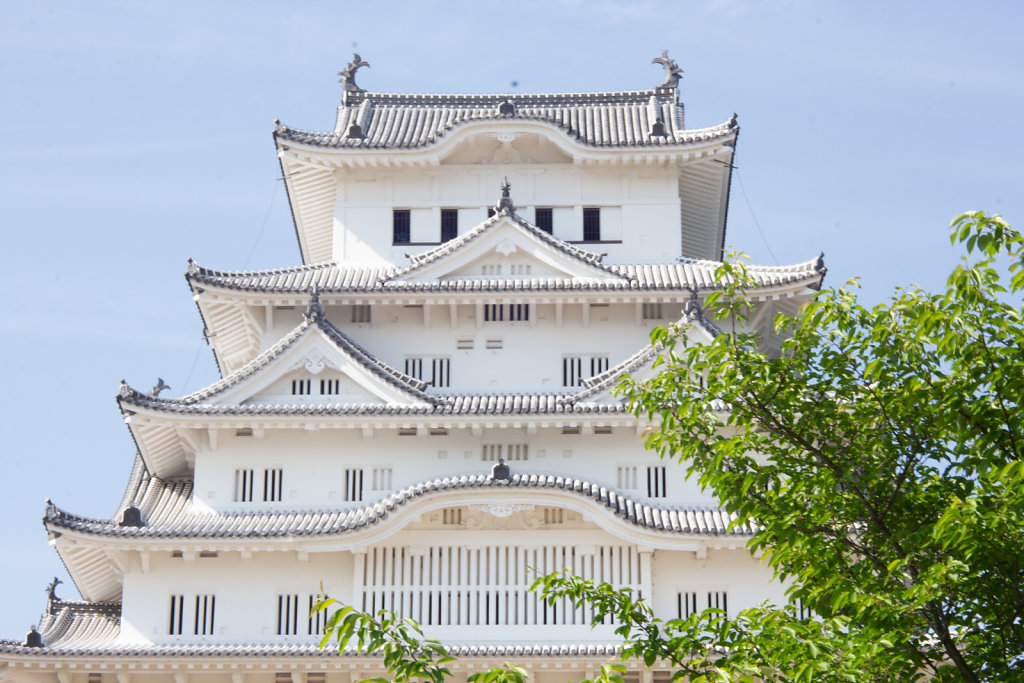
[(501, 510), (315, 362), (505, 247)]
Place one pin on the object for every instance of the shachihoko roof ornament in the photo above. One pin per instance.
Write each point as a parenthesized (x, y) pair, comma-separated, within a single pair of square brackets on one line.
[(672, 71), (348, 76), (505, 204)]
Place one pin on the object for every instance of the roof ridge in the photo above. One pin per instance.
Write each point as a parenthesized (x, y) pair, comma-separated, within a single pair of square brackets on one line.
[(444, 249), (347, 344), (332, 521), (194, 269), (662, 93)]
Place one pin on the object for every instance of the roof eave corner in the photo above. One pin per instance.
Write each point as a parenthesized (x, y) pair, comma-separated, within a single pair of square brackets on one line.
[(735, 127), (821, 270), (278, 129)]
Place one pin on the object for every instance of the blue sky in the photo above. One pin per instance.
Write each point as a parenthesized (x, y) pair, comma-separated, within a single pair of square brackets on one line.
[(139, 135)]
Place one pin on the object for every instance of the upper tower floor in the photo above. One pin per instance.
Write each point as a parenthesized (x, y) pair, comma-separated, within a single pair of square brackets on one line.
[(401, 173)]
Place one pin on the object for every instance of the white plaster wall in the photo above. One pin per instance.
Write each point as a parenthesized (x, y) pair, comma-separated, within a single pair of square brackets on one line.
[(640, 220), (748, 581), (246, 592), (314, 463), (530, 360)]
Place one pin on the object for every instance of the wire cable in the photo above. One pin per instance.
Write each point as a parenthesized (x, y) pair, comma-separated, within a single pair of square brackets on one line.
[(754, 216)]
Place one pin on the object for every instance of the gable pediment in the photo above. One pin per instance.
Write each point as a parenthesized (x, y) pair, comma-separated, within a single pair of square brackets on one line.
[(316, 369), (505, 247)]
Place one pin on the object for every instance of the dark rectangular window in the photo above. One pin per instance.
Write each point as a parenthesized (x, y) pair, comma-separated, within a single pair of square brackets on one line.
[(287, 615), (576, 368), (656, 483), (177, 607), (243, 486), (205, 608), (353, 485), (494, 313), (449, 224), (591, 225), (273, 480), (544, 218), (686, 604), (316, 623), (718, 600), (436, 372), (400, 225)]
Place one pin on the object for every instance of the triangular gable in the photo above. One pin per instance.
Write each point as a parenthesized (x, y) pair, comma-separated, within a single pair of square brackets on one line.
[(640, 366), (505, 247), (313, 351)]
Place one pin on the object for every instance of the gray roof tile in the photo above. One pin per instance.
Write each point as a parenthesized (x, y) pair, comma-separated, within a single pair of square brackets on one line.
[(314, 318), (612, 119), (167, 511), (332, 278)]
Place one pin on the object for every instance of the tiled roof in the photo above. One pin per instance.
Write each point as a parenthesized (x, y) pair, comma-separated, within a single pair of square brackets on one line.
[(313, 319), (167, 511), (95, 636), (332, 278), (612, 119), (431, 255), (466, 404), (693, 314)]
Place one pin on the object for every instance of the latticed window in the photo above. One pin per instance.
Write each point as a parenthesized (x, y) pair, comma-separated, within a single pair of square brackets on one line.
[(243, 486), (691, 602), (288, 614), (273, 482), (626, 477), (192, 616), (353, 485), (302, 387), (544, 218), (451, 516), (487, 585), (401, 226), (496, 313), (449, 224), (381, 479), (436, 372), (361, 313), (591, 225), (577, 368), (656, 481), (651, 311), (511, 452)]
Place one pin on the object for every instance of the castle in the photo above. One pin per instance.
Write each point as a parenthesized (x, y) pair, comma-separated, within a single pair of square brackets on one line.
[(422, 412)]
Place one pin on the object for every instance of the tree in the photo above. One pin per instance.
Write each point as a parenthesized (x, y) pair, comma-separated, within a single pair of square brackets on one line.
[(879, 455)]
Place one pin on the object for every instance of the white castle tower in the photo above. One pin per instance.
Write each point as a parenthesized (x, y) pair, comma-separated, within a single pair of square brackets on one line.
[(423, 410)]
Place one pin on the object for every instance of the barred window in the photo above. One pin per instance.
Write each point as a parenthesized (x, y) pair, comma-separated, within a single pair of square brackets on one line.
[(436, 372), (544, 219), (656, 481), (353, 485), (273, 480), (401, 223), (449, 224), (577, 368), (361, 313), (591, 224), (243, 486)]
